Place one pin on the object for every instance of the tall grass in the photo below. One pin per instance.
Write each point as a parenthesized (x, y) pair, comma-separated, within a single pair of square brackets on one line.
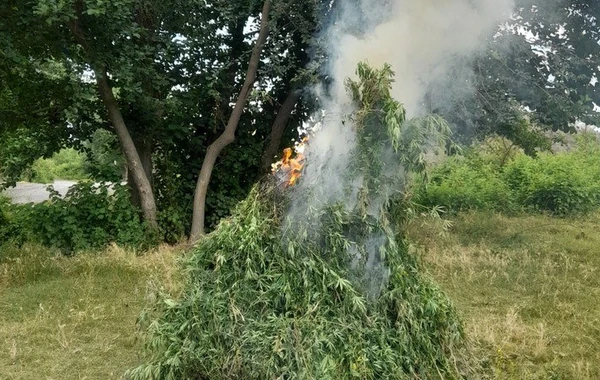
[(75, 317), (527, 288)]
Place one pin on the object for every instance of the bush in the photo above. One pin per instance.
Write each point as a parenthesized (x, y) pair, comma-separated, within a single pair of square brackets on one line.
[(89, 217), (464, 183), (11, 223), (562, 184), (507, 180), (7, 225), (67, 164)]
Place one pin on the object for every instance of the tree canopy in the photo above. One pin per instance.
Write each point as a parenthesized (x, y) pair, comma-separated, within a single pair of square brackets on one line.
[(173, 68), (538, 72), (163, 76)]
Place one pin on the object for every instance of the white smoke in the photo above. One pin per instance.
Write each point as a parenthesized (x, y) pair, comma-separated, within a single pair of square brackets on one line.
[(425, 41)]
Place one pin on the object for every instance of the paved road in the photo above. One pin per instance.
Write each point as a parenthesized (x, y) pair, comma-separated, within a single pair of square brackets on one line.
[(26, 192)]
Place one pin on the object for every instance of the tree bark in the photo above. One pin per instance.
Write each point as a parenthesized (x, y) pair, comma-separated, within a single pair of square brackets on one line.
[(277, 130), (136, 169), (228, 135), (144, 149)]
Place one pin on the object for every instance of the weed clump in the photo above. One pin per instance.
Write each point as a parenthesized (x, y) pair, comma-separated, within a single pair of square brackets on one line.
[(257, 306)]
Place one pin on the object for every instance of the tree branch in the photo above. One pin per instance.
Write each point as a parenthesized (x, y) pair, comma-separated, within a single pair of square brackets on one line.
[(277, 130), (228, 135)]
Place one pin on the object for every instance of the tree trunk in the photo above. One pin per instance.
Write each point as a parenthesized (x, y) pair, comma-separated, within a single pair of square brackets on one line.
[(277, 130), (144, 149), (136, 169), (228, 135)]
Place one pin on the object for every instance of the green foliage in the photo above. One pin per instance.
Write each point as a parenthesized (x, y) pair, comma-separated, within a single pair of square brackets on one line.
[(42, 171), (8, 227), (258, 306), (89, 216), (566, 183), (67, 164), (462, 183), (18, 151), (3, 203), (174, 67), (104, 160), (517, 73), (325, 291), (381, 124), (524, 134), (508, 180), (569, 28)]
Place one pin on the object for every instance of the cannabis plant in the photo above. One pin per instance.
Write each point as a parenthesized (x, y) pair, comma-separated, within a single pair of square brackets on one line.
[(325, 291)]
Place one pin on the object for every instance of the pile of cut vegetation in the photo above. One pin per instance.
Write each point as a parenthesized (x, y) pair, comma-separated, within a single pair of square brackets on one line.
[(324, 291)]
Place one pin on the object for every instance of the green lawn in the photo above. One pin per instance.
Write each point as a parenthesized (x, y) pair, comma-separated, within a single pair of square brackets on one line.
[(73, 318), (528, 290)]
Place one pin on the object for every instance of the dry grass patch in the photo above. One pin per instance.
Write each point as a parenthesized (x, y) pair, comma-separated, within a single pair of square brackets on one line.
[(527, 288), (75, 318)]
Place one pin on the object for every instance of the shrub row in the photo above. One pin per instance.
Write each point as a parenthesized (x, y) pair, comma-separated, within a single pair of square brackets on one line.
[(507, 180), (90, 216)]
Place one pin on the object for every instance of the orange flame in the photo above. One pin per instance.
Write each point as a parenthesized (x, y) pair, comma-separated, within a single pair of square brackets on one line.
[(292, 166)]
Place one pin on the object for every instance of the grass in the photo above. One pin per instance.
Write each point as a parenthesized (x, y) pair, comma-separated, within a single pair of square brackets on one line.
[(527, 288), (74, 318)]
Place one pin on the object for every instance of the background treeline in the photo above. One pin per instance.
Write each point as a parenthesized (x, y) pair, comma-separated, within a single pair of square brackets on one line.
[(90, 216), (97, 159), (173, 69), (493, 174)]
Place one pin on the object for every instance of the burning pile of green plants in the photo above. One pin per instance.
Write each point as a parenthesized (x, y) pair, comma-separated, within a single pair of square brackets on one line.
[(328, 290)]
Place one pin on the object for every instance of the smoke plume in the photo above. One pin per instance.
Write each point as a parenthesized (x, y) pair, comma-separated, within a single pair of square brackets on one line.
[(423, 40), (429, 44)]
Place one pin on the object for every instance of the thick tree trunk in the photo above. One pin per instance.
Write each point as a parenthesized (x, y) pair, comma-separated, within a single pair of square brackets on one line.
[(277, 130), (134, 162), (228, 136)]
